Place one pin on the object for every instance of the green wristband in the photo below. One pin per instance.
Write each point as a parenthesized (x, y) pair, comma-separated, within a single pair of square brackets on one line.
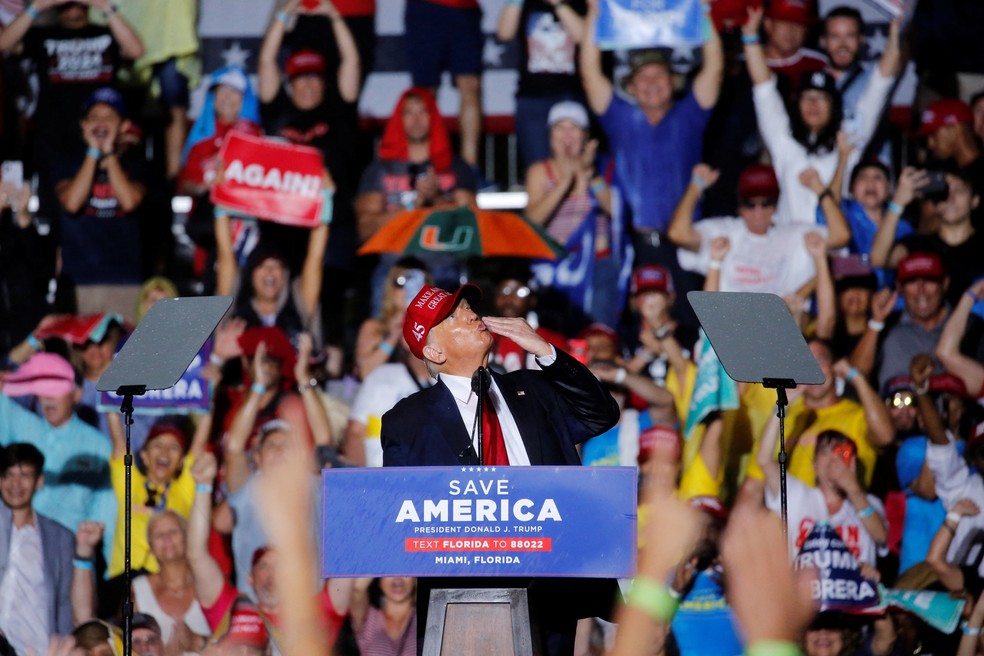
[(654, 599), (773, 648)]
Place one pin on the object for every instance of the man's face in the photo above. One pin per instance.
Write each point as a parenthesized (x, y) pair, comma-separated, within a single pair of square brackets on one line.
[(870, 187), (943, 142), (902, 409), (166, 538), (269, 279), (102, 124), (416, 120), (959, 203), (785, 36), (923, 297), (815, 109), (272, 448), (462, 336), (513, 298), (757, 213), (147, 642), (228, 102), (652, 86), (825, 360), (57, 410), (18, 485), (842, 42), (600, 348), (263, 579), (307, 91)]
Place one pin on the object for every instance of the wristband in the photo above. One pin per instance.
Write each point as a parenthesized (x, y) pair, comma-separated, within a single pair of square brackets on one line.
[(258, 389), (598, 187), (699, 181), (31, 11), (772, 648), (852, 374), (867, 512), (824, 194), (654, 599), (386, 347), (203, 487), (921, 390), (33, 342), (877, 326), (309, 385), (750, 39), (283, 17), (971, 630), (94, 153), (78, 563), (620, 375), (954, 517), (215, 359), (894, 207), (714, 265)]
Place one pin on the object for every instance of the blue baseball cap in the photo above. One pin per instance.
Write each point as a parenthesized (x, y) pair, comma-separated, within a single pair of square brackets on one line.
[(104, 96)]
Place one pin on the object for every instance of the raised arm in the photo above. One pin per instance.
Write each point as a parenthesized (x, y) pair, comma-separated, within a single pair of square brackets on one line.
[(312, 272), (718, 249), (838, 230), (844, 149), (349, 67), (758, 68), (707, 84), (863, 356), (208, 576), (681, 231), (314, 409), (905, 190), (508, 24), (890, 62), (13, 34), (920, 369), (83, 587), (826, 298), (881, 431), (967, 369), (226, 266), (131, 47), (237, 470), (269, 72), (765, 457), (950, 575), (597, 87)]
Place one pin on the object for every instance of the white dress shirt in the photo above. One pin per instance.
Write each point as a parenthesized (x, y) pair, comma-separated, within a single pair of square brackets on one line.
[(461, 390), (23, 593)]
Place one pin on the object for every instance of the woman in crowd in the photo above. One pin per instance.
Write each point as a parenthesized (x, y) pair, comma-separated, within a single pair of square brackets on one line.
[(384, 616), (379, 337), (805, 137)]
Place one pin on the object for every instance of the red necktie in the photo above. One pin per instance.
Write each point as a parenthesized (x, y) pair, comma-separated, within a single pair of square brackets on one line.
[(493, 442)]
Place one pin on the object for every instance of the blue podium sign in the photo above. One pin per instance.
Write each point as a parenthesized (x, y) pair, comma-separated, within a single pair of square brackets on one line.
[(479, 521)]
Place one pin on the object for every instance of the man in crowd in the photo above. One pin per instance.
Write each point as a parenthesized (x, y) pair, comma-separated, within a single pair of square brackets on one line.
[(515, 295), (529, 418), (35, 556), (786, 25), (100, 194), (76, 456), (948, 126)]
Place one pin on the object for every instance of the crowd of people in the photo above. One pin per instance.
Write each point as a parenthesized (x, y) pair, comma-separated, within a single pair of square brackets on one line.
[(776, 164)]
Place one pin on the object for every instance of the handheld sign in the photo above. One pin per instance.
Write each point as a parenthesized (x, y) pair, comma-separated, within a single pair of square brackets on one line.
[(192, 394), (649, 24), (78, 329), (270, 180), (839, 585), (479, 521)]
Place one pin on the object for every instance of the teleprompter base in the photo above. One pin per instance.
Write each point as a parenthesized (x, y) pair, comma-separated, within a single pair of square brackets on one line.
[(479, 622)]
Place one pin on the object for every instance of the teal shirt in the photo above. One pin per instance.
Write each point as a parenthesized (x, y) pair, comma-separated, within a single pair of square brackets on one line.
[(76, 468)]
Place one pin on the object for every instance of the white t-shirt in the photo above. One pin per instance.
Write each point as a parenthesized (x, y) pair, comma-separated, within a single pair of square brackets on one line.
[(384, 387), (807, 507), (955, 481), (776, 262)]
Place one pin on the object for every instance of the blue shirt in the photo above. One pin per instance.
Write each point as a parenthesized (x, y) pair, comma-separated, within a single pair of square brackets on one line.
[(653, 163), (704, 623), (922, 520), (76, 468), (863, 229)]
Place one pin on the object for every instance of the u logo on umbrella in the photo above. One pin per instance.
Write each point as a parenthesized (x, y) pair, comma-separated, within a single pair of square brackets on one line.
[(430, 239)]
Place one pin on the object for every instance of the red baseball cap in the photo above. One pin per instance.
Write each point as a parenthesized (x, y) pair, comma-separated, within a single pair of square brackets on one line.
[(599, 328), (246, 627), (794, 11), (652, 278), (758, 180), (658, 437), (921, 265), (305, 62), (944, 112), (429, 307), (168, 428)]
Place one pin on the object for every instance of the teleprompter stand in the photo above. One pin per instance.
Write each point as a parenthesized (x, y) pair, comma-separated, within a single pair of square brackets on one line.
[(154, 358), (757, 341)]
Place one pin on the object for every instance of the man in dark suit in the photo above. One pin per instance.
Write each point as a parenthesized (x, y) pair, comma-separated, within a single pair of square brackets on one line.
[(537, 418), (36, 553)]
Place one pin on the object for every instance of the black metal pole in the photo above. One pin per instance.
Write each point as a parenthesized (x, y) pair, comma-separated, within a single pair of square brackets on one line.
[(781, 402), (127, 409)]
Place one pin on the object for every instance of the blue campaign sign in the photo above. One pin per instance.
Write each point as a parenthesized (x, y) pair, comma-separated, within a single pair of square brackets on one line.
[(192, 394), (479, 521), (838, 584), (649, 24)]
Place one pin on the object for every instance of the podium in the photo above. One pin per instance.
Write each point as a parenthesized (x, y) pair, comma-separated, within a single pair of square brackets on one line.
[(500, 553)]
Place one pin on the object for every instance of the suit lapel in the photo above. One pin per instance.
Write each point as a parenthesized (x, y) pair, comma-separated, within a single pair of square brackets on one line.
[(449, 425), (519, 402)]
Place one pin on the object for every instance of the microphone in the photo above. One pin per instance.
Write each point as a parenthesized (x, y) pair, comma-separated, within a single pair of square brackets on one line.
[(480, 382)]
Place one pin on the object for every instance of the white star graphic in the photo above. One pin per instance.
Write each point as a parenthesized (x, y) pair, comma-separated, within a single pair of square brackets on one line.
[(492, 52), (877, 42), (462, 469), (234, 55), (471, 469), (493, 469)]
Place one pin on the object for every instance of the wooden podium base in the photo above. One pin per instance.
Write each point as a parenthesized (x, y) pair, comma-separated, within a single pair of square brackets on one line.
[(479, 622)]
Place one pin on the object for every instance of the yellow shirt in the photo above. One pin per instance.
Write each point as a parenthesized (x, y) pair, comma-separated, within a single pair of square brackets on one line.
[(180, 495)]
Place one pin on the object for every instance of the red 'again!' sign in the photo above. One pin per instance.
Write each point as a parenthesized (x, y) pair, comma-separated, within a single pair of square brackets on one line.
[(270, 180)]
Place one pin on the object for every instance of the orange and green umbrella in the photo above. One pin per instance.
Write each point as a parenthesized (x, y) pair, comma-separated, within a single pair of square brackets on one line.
[(463, 232)]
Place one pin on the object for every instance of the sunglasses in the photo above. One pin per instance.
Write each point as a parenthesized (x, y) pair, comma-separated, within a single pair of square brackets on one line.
[(520, 292), (900, 400), (751, 204)]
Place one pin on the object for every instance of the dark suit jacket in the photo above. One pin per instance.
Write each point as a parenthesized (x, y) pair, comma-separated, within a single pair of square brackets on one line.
[(555, 409), (57, 548)]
